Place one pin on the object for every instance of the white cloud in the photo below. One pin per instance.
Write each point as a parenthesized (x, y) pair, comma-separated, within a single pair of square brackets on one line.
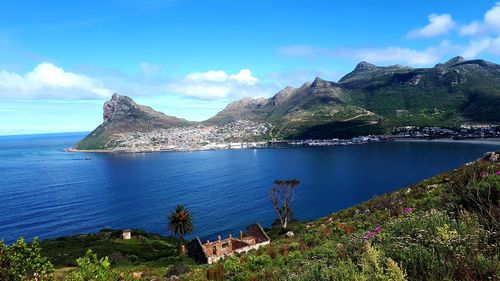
[(217, 84), (395, 55), (488, 45), (476, 47), (489, 24), (470, 29), (438, 25), (244, 77), (387, 55), (211, 75), (492, 18), (495, 46), (49, 81)]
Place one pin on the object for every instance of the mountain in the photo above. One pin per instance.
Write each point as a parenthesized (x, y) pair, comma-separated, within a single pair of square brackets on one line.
[(122, 115), (376, 99), (369, 100)]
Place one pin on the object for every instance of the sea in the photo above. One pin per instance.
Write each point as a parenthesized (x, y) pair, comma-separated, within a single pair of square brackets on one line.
[(47, 192)]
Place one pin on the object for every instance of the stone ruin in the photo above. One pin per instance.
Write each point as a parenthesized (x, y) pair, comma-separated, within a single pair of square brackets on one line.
[(213, 251)]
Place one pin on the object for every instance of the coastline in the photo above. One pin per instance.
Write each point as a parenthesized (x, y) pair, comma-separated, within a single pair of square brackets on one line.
[(494, 141)]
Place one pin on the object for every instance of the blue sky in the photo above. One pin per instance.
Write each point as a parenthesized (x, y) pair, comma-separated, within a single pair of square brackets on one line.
[(60, 60)]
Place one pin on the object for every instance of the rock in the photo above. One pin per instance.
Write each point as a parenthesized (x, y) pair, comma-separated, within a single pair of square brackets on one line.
[(492, 157), (290, 234), (137, 275)]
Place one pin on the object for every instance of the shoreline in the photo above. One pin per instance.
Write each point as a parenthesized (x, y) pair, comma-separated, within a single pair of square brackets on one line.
[(494, 141)]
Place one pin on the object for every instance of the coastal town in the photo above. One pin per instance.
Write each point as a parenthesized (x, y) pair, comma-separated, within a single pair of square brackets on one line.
[(234, 135), (243, 134), (466, 131)]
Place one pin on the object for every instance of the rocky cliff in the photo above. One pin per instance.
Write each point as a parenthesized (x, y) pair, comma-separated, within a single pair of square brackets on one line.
[(122, 115)]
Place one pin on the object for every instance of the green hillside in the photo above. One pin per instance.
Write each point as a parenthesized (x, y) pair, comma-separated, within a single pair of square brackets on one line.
[(373, 99)]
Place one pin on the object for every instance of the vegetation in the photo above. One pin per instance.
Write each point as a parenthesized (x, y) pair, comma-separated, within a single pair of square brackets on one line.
[(180, 223), (443, 228), (145, 248), (22, 261), (282, 195)]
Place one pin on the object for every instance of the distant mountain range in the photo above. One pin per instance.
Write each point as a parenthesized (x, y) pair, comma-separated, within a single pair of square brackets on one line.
[(369, 100)]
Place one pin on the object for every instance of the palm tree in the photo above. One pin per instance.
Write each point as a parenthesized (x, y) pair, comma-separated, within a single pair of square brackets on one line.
[(180, 224)]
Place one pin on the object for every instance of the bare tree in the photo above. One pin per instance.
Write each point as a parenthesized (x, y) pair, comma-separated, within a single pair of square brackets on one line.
[(282, 195)]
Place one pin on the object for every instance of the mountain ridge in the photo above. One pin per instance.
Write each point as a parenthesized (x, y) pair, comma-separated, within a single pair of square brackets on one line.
[(369, 100)]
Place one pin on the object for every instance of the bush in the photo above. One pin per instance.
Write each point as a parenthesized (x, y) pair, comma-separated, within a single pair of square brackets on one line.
[(91, 268), (3, 262), (177, 269), (258, 263), (370, 267), (477, 189), (22, 261), (434, 246)]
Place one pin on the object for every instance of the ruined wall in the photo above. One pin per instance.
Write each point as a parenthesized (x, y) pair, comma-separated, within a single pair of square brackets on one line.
[(195, 251)]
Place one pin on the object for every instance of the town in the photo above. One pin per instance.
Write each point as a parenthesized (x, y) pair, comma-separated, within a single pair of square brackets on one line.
[(243, 134), (464, 132), (234, 135)]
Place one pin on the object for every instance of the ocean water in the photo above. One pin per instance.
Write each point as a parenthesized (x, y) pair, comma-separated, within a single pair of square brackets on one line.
[(47, 192)]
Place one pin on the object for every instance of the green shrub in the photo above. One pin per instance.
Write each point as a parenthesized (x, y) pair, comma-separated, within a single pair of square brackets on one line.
[(311, 237), (3, 262), (433, 246), (233, 266), (22, 261), (477, 189), (91, 268), (258, 263), (371, 267)]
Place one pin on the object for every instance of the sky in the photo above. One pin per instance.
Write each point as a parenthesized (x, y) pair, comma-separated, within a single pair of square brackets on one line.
[(61, 60)]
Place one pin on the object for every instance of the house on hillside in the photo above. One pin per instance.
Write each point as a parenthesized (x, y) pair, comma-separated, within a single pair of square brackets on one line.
[(211, 252)]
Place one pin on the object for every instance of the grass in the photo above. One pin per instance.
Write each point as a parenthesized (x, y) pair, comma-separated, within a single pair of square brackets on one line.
[(145, 249)]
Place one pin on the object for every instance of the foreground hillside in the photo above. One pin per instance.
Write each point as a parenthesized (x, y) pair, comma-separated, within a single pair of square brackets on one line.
[(443, 228), (369, 100)]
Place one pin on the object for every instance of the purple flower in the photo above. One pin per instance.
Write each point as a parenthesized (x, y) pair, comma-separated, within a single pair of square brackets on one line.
[(407, 210), (498, 173), (483, 174), (377, 229), (369, 235)]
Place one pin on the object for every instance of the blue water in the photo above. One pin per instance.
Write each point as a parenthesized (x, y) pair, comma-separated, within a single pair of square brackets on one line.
[(47, 192)]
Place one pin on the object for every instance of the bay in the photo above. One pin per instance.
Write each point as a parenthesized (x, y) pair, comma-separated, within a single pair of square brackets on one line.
[(47, 192)]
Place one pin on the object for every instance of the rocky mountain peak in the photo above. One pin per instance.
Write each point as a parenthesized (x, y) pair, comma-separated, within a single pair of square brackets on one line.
[(283, 96), (365, 66), (245, 103), (117, 105), (452, 61), (457, 59), (319, 83)]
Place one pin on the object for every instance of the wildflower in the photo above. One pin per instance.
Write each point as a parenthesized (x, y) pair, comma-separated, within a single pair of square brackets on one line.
[(341, 225), (498, 173), (369, 235), (483, 174), (407, 210), (377, 229)]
